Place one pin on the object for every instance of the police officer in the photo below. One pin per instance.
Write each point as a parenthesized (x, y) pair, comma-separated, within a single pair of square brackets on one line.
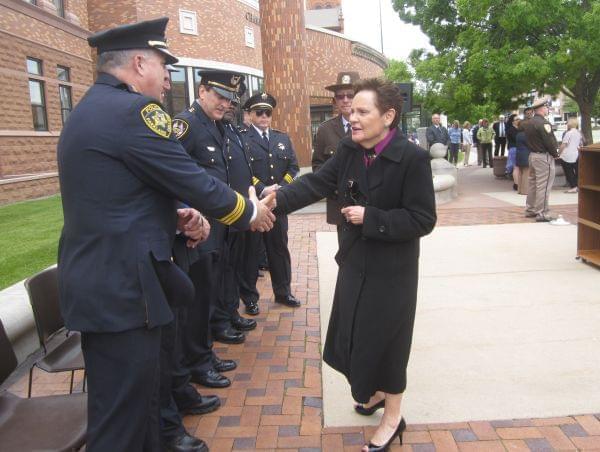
[(121, 174), (177, 396), (274, 164), (331, 132), (542, 144), (226, 314), (200, 131)]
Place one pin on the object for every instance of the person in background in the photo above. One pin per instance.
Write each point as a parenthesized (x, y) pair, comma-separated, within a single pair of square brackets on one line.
[(455, 134), (485, 136), (511, 137), (522, 155), (331, 132), (467, 142), (542, 144), (436, 133), (499, 137), (476, 141), (569, 153)]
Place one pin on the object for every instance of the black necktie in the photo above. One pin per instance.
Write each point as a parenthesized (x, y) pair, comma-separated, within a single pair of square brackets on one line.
[(266, 138), (348, 129)]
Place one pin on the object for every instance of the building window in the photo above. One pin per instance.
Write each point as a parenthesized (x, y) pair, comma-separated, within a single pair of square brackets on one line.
[(36, 95), (177, 98), (32, 2), (249, 35), (60, 7), (63, 73), (188, 22), (34, 66), (38, 104)]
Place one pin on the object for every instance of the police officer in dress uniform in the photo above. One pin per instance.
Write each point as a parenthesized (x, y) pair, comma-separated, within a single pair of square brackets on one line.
[(177, 396), (274, 164), (200, 131), (542, 144), (331, 132), (226, 314), (121, 176)]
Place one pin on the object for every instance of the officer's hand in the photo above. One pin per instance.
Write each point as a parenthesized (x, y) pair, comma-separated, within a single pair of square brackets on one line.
[(264, 217), (270, 201), (270, 189), (195, 227)]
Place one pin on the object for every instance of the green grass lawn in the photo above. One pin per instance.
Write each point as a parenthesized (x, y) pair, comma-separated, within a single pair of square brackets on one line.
[(28, 238)]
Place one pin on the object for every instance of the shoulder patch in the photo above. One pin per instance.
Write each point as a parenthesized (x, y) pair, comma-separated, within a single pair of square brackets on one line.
[(180, 128), (157, 120), (548, 128)]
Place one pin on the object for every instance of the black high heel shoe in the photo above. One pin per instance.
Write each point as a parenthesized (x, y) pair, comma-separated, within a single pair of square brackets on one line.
[(360, 409), (398, 433)]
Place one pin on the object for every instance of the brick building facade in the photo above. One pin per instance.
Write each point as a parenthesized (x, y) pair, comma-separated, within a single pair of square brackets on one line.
[(46, 66)]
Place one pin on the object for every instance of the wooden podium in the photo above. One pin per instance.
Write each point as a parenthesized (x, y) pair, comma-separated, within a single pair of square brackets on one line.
[(588, 221)]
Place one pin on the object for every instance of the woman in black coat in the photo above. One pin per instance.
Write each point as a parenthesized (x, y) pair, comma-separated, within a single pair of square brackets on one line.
[(387, 187)]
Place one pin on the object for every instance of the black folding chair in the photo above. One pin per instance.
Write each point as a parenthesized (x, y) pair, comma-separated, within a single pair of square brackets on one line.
[(66, 355), (56, 422)]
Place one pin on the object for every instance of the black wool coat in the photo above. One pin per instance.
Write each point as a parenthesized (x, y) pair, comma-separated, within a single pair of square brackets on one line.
[(370, 330)]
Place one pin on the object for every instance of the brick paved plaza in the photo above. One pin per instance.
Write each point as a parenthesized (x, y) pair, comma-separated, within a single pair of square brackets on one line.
[(275, 401)]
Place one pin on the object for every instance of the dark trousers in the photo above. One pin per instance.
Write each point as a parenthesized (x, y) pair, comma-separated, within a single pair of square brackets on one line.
[(171, 376), (228, 300), (486, 154), (249, 268), (500, 143), (123, 380), (280, 267), (571, 172), (453, 150), (205, 274)]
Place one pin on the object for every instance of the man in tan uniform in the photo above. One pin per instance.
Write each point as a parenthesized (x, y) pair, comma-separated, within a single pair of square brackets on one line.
[(331, 132), (543, 147)]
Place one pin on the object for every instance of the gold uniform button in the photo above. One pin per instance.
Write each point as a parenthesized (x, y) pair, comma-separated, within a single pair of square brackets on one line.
[(212, 160), (270, 155), (272, 166), (272, 177)]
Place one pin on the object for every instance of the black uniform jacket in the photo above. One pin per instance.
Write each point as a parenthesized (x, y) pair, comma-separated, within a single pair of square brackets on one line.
[(539, 135), (240, 170), (273, 164), (121, 174), (370, 328), (326, 142), (205, 141)]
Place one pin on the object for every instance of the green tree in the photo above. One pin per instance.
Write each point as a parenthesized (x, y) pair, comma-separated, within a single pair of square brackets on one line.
[(398, 71), (494, 53)]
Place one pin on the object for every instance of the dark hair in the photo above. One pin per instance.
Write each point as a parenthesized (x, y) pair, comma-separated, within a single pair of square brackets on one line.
[(387, 96)]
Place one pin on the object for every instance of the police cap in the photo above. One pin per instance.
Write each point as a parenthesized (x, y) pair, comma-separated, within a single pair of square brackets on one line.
[(260, 100), (227, 83), (149, 34)]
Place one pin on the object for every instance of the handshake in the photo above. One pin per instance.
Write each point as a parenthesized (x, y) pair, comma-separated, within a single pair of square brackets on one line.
[(264, 219)]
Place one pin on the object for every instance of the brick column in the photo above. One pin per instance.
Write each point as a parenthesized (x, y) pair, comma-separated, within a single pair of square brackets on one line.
[(283, 37)]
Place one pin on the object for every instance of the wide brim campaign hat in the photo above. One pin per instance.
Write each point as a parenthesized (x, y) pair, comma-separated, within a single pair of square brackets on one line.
[(260, 100), (149, 34), (227, 83), (540, 101), (345, 80)]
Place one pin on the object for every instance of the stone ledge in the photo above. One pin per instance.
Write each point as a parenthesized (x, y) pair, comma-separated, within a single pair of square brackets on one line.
[(27, 177)]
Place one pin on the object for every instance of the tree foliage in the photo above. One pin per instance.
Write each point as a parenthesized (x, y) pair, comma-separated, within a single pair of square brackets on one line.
[(492, 54)]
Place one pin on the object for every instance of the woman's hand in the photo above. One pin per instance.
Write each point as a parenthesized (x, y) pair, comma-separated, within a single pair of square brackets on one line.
[(354, 214)]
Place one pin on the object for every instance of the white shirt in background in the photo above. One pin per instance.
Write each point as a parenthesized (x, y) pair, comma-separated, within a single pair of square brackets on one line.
[(572, 141)]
